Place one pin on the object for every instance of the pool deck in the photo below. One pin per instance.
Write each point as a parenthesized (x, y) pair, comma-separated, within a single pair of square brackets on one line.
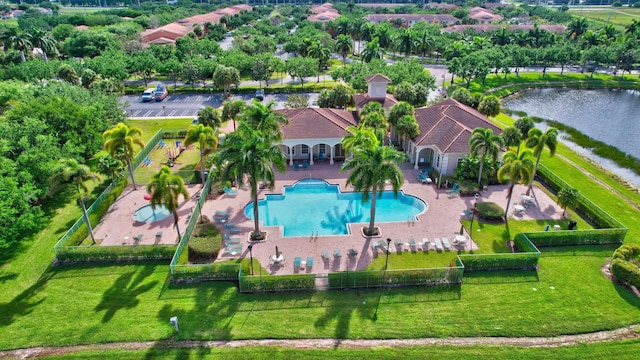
[(442, 219)]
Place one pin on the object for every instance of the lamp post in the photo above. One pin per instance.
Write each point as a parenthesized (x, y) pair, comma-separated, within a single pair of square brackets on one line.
[(199, 209), (250, 247), (386, 263), (473, 214)]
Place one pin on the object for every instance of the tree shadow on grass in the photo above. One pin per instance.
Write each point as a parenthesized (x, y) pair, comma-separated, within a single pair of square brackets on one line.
[(501, 277), (24, 303), (124, 292)]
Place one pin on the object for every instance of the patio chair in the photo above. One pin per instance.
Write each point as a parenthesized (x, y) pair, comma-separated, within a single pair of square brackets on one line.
[(438, 244), (425, 179), (223, 214), (137, 238), (305, 164), (230, 192), (296, 166), (159, 235), (296, 261), (337, 253), (230, 228), (384, 246), (352, 253), (425, 244), (454, 189), (446, 244), (412, 243), (325, 255), (232, 250), (309, 261), (375, 246), (232, 239), (399, 242)]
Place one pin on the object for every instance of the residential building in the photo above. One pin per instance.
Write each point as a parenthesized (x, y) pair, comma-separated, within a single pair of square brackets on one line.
[(408, 20), (484, 16)]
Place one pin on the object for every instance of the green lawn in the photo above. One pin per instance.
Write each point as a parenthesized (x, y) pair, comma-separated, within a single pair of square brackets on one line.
[(619, 16)]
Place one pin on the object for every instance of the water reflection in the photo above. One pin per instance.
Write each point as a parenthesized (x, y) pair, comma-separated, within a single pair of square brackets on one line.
[(611, 116)]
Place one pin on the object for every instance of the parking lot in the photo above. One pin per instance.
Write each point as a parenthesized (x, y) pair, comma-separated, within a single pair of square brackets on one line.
[(188, 105)]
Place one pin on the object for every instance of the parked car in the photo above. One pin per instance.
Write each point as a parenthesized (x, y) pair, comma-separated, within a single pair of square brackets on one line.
[(149, 94), (161, 92), (260, 94)]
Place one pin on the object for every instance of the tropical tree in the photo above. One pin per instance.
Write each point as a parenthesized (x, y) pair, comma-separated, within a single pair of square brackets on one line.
[(424, 43), (207, 139), (119, 142), (372, 107), (490, 105), (231, 109), (538, 141), (12, 37), (40, 39), (319, 51), (397, 111), (512, 137), (405, 42), (524, 124), (262, 118), (518, 168), (568, 198), (359, 136), (225, 76), (209, 116), (251, 154), (69, 171), (373, 50), (484, 141), (370, 168), (576, 28), (165, 189), (407, 128), (344, 46)]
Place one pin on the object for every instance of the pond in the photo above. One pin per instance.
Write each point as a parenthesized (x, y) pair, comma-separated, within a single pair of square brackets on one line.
[(610, 116)]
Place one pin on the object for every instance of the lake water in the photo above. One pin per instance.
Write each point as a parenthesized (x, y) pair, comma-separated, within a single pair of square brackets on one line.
[(611, 116)]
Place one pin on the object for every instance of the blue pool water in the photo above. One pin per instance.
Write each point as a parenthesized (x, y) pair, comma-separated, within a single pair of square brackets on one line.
[(148, 215), (313, 205)]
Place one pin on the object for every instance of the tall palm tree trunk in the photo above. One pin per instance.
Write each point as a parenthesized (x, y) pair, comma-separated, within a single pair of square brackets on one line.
[(254, 199), (175, 223), (535, 170), (509, 195), (202, 165), (372, 212), (480, 173), (133, 180), (86, 219)]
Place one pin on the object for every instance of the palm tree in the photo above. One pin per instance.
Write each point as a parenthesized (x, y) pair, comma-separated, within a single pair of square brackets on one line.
[(518, 168), (512, 137), (359, 136), (119, 141), (262, 118), (576, 28), (165, 188), (318, 51), (251, 154), (373, 50), (383, 33), (231, 109), (355, 28), (69, 171), (40, 39), (207, 139), (344, 46), (13, 37), (424, 43), (370, 168), (537, 140), (209, 116), (405, 42), (407, 128), (399, 110), (484, 141), (568, 198)]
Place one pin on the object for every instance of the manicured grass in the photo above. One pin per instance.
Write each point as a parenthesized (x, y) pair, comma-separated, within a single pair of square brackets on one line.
[(618, 350), (78, 10), (152, 126), (618, 16)]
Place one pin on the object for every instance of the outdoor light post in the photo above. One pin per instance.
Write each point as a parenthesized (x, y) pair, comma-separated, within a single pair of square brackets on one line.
[(199, 209), (473, 214), (250, 247), (386, 263)]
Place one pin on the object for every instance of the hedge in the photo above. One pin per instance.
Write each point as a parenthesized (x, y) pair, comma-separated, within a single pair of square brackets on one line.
[(624, 265), (214, 271), (577, 237), (498, 262), (279, 283), (114, 253), (396, 278)]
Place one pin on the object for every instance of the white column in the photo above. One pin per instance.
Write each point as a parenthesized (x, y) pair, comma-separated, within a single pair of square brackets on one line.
[(331, 156), (311, 155), (415, 166), (290, 155)]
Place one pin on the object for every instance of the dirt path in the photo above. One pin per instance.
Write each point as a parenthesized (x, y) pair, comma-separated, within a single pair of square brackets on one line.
[(624, 333)]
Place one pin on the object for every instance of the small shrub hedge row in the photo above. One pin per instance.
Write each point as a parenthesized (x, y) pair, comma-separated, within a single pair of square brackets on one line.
[(489, 211), (174, 134), (205, 242), (280, 283), (586, 208), (497, 262), (114, 253), (523, 243), (200, 272), (625, 265), (396, 278), (578, 237)]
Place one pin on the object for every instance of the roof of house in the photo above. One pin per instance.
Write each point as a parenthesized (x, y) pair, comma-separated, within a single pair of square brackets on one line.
[(560, 29), (362, 99), (481, 14), (441, 6), (313, 123), (448, 126), (491, 5), (377, 78), (324, 16), (322, 8), (412, 17), (174, 29)]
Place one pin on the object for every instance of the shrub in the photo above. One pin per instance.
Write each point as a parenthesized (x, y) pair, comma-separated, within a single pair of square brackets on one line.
[(627, 252), (204, 244), (490, 211), (626, 272)]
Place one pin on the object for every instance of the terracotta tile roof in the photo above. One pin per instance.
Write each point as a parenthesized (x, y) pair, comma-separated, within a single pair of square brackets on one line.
[(560, 29), (412, 17), (448, 126), (362, 99), (314, 123), (377, 78), (325, 16), (441, 6)]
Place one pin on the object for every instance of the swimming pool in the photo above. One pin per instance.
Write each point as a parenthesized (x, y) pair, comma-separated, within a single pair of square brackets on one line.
[(314, 205), (148, 215)]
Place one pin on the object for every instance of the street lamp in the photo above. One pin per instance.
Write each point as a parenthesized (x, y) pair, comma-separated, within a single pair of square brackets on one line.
[(386, 263), (199, 209), (250, 247), (473, 214)]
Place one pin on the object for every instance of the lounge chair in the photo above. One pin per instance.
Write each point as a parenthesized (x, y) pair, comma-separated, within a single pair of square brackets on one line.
[(232, 239), (219, 213), (425, 179), (446, 244), (375, 246), (412, 243), (399, 242), (230, 192), (454, 189), (325, 255), (352, 253), (232, 229), (425, 244), (337, 253), (305, 164), (384, 246), (309, 261), (438, 244), (232, 250), (159, 235), (137, 238), (296, 261)]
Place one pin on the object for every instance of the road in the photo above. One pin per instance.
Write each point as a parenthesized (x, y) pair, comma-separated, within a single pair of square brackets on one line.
[(188, 105)]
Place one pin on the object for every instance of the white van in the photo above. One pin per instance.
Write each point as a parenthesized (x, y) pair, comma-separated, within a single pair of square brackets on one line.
[(149, 94)]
